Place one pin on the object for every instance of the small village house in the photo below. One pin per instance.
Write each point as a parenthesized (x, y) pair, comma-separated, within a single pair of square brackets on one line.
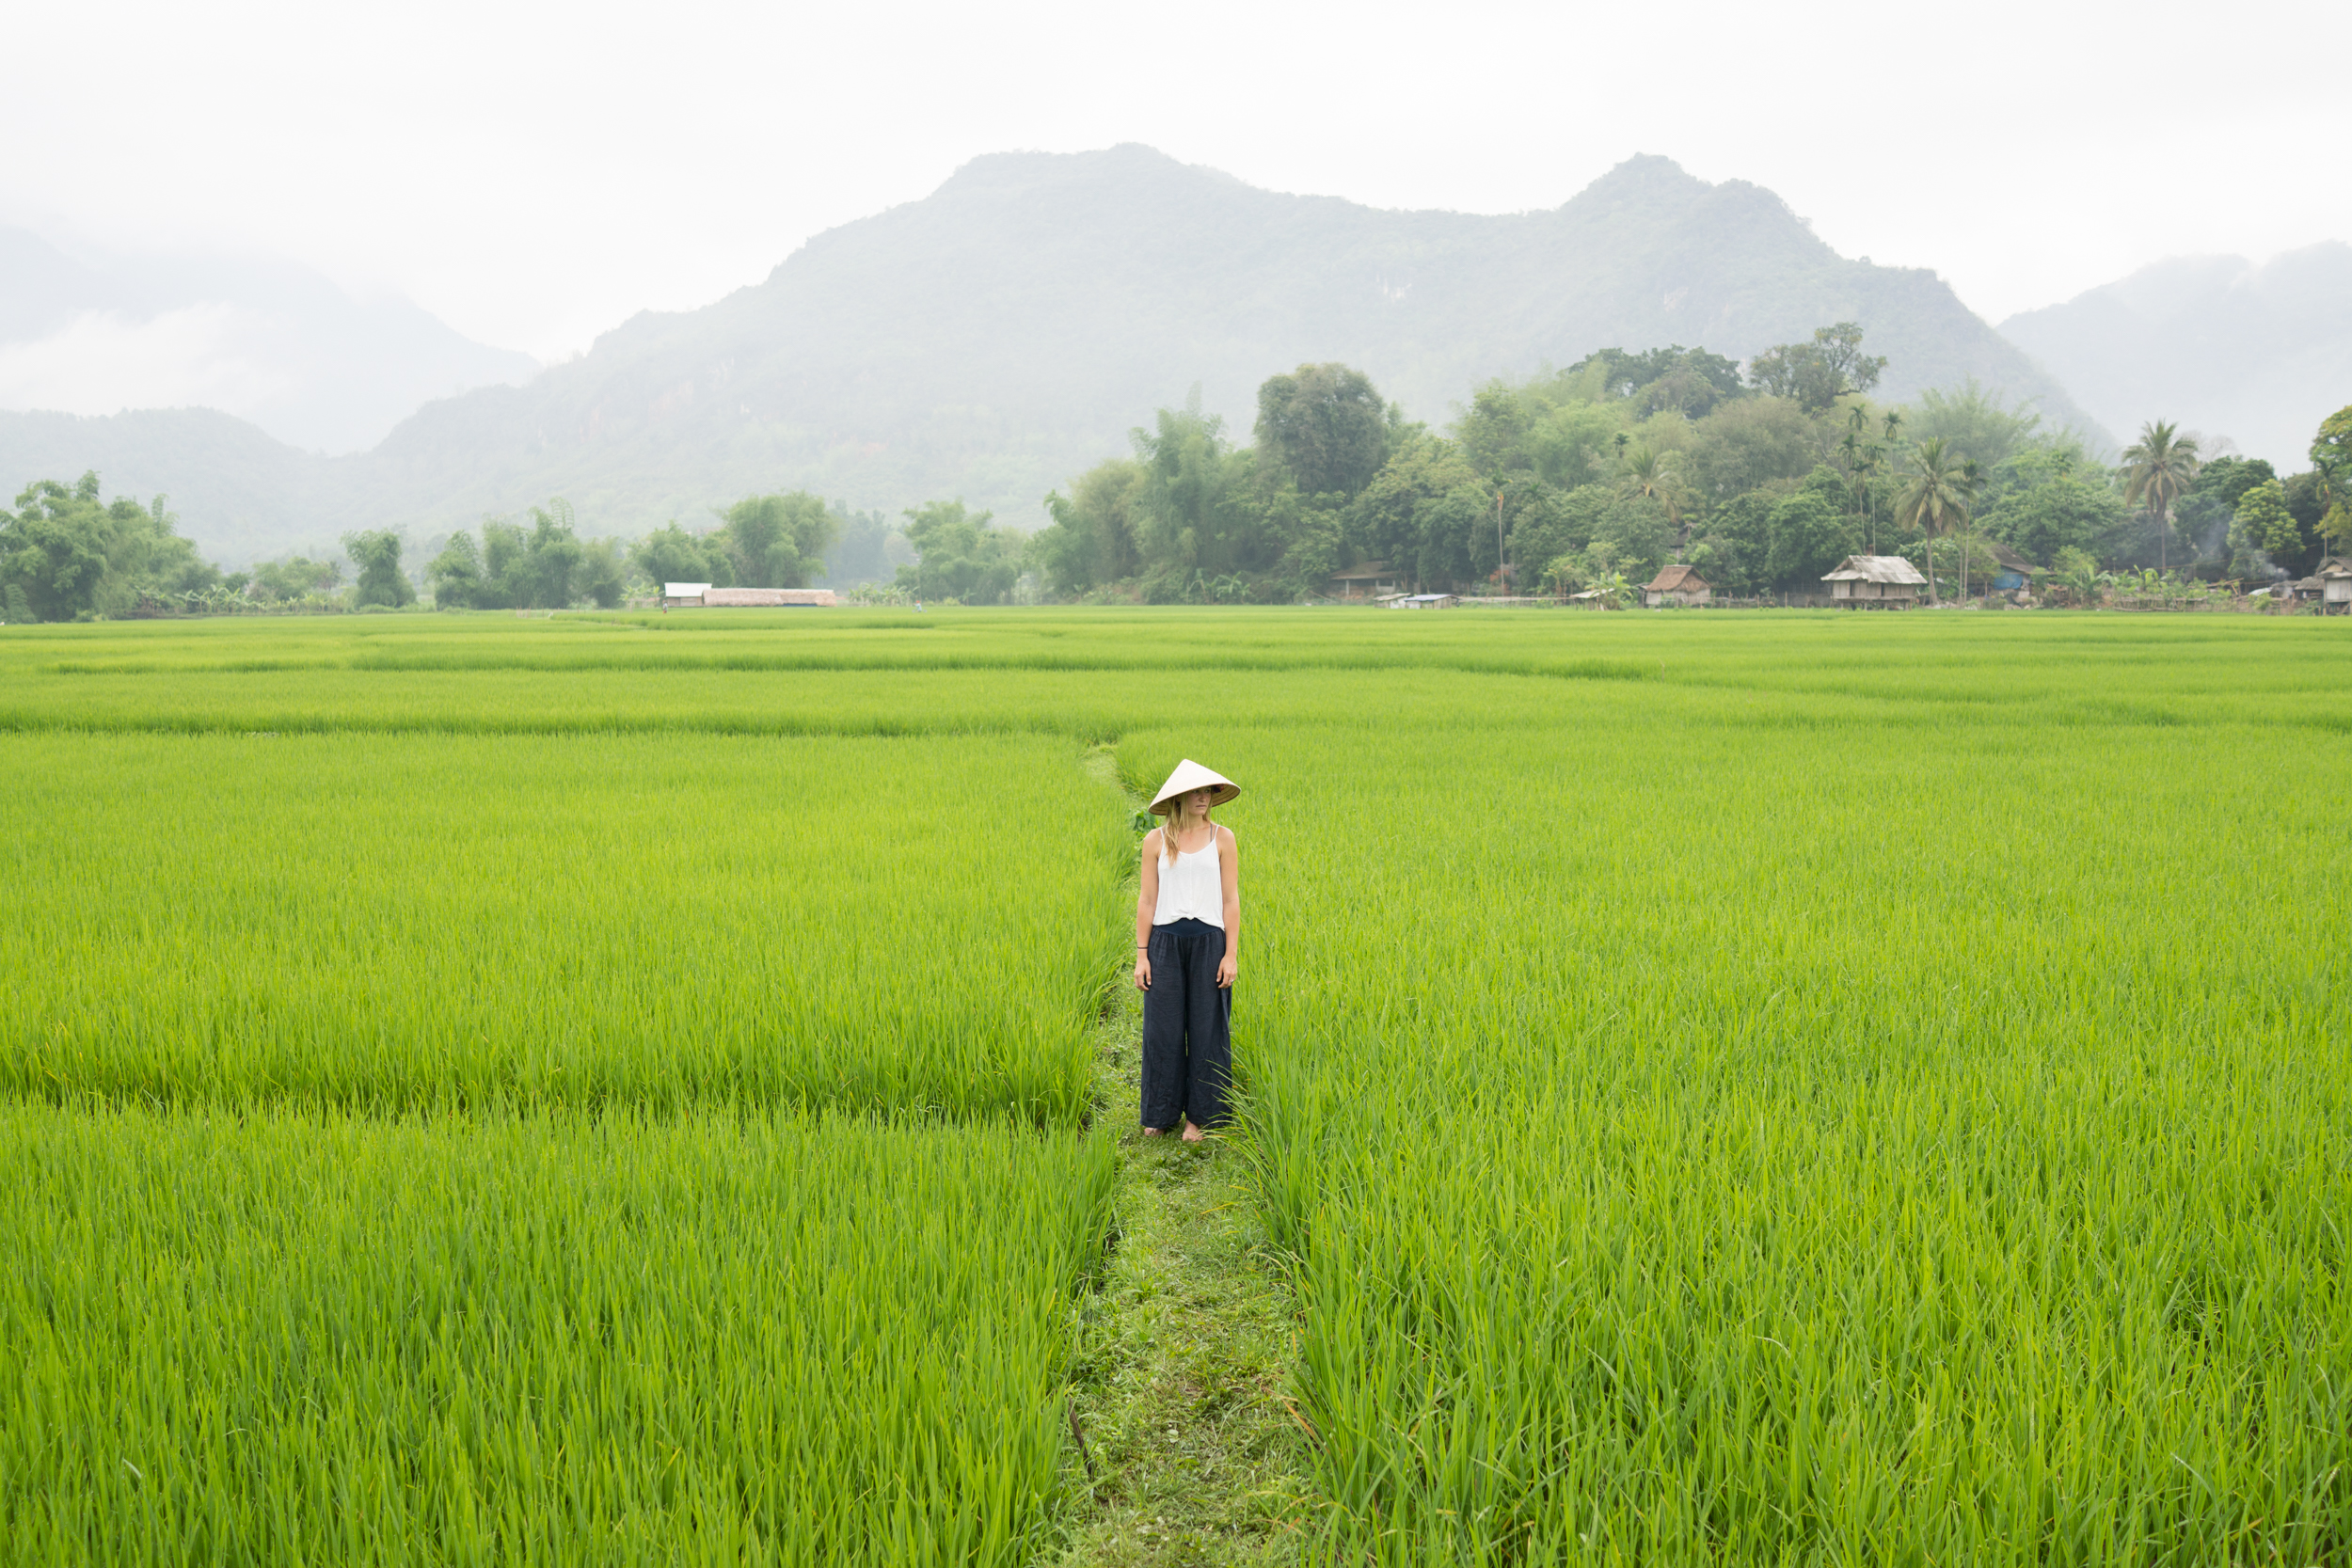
[(1368, 579), (2014, 572), (702, 596), (1423, 601), (1677, 584), (2335, 585), (1874, 582)]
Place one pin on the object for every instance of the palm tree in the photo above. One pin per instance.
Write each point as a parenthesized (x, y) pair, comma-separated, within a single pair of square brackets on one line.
[(1857, 480), (1971, 481), (1502, 566), (1933, 499), (2331, 460), (1863, 458), (2159, 467), (1655, 475)]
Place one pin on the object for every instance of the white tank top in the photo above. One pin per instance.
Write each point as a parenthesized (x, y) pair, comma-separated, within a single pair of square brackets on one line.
[(1192, 888)]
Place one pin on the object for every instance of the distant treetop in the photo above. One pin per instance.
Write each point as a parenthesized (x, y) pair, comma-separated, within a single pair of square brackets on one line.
[(1816, 374), (1689, 381), (1327, 425)]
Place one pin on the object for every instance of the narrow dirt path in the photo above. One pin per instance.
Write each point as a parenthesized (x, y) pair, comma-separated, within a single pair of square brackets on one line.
[(1179, 1381)]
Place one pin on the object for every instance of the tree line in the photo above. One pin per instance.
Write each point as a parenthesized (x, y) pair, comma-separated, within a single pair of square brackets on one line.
[(66, 555), (1762, 478)]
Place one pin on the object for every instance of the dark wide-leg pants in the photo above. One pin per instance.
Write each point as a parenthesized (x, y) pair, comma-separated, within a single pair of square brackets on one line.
[(1188, 1028)]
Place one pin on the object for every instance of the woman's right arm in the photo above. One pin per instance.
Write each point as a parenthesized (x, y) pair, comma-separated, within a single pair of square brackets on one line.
[(1146, 905)]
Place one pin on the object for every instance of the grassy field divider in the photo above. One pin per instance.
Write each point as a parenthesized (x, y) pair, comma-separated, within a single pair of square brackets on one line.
[(1181, 1404)]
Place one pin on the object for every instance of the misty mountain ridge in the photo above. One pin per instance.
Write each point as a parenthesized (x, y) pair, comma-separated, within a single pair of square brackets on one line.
[(1001, 334), (271, 343), (2216, 343)]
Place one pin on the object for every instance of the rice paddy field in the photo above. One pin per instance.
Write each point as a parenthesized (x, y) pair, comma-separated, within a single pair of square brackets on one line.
[(278, 1338), (353, 919), (1725, 1088)]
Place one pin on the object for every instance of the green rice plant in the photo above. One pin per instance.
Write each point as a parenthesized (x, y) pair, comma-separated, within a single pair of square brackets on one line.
[(1736, 1087), (1076, 672), (554, 1338), (1722, 1125), (395, 922)]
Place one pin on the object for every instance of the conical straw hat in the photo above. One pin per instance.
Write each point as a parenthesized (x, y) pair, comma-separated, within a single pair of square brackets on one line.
[(1189, 776)]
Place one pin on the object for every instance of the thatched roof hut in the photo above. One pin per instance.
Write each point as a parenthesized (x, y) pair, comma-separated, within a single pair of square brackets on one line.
[(1874, 582), (1677, 584)]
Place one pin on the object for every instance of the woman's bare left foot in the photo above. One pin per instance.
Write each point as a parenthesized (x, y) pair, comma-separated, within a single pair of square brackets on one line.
[(1154, 1131), (1192, 1134)]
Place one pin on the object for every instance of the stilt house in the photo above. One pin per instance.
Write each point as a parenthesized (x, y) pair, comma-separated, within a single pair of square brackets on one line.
[(2335, 586), (1874, 582)]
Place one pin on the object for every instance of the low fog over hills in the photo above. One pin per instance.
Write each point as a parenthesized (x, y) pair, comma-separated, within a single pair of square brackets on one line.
[(1001, 335), (274, 343), (2260, 354)]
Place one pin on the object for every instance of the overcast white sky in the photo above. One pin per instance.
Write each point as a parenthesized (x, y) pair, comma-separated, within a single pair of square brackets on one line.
[(535, 172)]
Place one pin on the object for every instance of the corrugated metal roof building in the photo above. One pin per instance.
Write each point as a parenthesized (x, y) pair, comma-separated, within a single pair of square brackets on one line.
[(2335, 581), (707, 598), (1366, 580), (770, 598)]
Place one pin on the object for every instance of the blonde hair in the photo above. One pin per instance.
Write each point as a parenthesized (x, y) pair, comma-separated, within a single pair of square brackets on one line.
[(1167, 827)]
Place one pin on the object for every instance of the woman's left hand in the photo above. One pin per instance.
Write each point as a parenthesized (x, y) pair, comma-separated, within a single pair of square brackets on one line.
[(1225, 967)]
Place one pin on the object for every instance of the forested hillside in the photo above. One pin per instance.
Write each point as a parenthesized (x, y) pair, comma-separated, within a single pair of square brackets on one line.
[(2226, 347), (1006, 332)]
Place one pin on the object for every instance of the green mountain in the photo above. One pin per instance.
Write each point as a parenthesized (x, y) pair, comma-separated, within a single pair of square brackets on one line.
[(2259, 354), (1003, 333)]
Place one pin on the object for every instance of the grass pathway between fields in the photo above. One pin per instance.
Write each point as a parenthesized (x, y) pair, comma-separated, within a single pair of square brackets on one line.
[(1179, 1381)]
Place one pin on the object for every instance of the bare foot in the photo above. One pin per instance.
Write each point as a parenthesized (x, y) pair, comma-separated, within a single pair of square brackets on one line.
[(1154, 1132), (1192, 1134)]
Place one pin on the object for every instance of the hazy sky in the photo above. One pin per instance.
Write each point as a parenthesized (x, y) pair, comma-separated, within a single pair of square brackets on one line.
[(537, 172)]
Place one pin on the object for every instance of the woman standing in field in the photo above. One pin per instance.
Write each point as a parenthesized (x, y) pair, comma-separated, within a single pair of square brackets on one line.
[(1188, 942)]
